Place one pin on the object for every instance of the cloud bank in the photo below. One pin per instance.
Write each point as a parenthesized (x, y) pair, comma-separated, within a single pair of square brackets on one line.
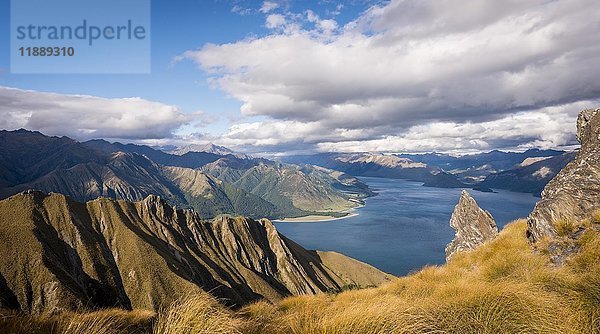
[(414, 75), (85, 117)]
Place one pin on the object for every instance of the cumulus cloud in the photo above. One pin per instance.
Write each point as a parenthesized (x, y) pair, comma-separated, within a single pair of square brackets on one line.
[(274, 21), (268, 6), (417, 65), (85, 117), (548, 127)]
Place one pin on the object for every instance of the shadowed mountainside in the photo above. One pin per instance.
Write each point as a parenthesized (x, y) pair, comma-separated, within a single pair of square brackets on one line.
[(246, 186), (530, 176), (61, 254)]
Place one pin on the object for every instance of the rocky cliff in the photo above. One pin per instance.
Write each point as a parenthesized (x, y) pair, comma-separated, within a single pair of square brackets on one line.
[(574, 194), (473, 226), (61, 254)]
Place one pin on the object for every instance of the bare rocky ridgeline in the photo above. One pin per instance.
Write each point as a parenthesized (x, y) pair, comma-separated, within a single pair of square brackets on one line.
[(574, 194), (59, 254), (473, 225)]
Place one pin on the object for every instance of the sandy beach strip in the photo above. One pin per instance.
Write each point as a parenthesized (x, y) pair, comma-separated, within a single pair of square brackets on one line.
[(313, 219)]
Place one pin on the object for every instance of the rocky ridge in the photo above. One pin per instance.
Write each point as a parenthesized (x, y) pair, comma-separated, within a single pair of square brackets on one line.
[(59, 254), (573, 195), (473, 225)]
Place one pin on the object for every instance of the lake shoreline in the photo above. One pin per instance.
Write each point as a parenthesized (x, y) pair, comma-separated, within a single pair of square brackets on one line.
[(313, 219), (405, 227)]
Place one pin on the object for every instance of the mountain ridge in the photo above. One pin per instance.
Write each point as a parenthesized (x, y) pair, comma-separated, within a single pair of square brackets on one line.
[(146, 254), (99, 168)]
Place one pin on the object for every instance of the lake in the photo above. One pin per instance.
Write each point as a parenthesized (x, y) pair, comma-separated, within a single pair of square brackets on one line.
[(404, 227)]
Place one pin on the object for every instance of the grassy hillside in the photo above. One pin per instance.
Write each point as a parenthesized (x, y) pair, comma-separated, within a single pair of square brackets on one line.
[(60, 255), (504, 286), (211, 197), (296, 191)]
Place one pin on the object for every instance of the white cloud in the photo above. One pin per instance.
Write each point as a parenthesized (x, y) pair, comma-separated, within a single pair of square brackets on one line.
[(241, 10), (268, 6), (311, 16), (327, 26), (549, 127), (274, 21), (415, 63), (85, 117)]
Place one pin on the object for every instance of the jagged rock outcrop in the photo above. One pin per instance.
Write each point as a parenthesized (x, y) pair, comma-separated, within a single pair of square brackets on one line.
[(574, 194), (60, 254), (473, 225)]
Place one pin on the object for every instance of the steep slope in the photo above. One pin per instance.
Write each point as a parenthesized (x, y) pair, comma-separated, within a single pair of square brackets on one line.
[(381, 165), (28, 155), (530, 176), (210, 196), (61, 254), (133, 177), (341, 181), (574, 193), (123, 176), (30, 160), (473, 226), (297, 190)]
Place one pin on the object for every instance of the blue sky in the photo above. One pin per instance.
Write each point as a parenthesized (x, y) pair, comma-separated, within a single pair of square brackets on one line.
[(177, 26), (298, 76)]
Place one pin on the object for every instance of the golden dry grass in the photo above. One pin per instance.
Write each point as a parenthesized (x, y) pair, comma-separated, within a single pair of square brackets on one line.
[(502, 287), (111, 321), (196, 314)]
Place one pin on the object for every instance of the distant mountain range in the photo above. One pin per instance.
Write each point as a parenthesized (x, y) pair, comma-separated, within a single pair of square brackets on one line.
[(208, 148), (380, 165), (475, 168), (214, 184), (530, 176), (211, 184), (527, 171)]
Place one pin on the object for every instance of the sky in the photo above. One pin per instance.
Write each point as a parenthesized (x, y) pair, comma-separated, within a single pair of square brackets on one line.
[(293, 76)]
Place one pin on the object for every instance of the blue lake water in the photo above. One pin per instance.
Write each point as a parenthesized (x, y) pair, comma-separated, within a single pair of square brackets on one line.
[(405, 227)]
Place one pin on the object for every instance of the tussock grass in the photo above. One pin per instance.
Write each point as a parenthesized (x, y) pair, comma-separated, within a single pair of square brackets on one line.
[(196, 314), (565, 227), (505, 286), (596, 217), (502, 287), (112, 321)]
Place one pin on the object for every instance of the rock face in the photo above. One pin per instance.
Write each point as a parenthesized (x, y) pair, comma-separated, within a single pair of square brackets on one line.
[(574, 194), (60, 254), (473, 226)]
